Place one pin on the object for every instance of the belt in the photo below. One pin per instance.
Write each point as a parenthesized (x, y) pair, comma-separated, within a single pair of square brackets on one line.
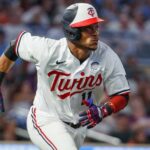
[(75, 126)]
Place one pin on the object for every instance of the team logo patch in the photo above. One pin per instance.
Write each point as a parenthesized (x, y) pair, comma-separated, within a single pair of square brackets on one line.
[(94, 66), (91, 11)]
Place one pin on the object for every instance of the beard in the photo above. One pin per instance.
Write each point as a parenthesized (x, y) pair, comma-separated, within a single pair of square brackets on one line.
[(92, 46)]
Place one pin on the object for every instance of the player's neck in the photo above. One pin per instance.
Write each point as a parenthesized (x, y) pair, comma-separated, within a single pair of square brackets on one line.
[(78, 51)]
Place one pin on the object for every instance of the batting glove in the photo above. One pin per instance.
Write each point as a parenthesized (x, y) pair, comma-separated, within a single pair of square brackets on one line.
[(91, 117)]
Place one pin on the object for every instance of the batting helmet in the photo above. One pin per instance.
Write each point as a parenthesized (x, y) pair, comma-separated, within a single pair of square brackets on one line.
[(76, 16)]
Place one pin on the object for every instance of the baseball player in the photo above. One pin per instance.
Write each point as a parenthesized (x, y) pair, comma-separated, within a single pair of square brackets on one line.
[(70, 74)]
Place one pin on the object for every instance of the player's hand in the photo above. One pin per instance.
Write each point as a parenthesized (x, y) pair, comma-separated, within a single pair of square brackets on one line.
[(88, 102), (1, 103), (91, 117)]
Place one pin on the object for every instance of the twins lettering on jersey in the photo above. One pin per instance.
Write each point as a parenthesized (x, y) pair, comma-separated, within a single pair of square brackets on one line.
[(63, 83)]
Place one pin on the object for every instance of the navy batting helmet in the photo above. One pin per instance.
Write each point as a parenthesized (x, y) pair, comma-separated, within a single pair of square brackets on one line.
[(76, 16)]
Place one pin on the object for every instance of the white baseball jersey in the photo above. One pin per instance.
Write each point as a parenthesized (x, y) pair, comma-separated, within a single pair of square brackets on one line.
[(63, 82)]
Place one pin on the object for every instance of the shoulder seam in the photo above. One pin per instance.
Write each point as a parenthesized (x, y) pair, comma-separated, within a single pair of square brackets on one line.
[(17, 43)]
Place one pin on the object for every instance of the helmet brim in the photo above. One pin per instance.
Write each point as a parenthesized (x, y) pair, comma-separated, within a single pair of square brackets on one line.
[(86, 22)]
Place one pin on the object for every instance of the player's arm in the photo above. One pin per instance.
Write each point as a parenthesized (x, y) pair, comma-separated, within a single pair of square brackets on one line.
[(115, 103), (95, 114), (6, 62)]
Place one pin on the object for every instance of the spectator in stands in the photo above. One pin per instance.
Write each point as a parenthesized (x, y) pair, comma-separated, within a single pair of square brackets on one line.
[(122, 130)]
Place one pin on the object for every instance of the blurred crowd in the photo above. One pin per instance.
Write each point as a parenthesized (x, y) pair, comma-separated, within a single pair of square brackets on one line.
[(126, 29)]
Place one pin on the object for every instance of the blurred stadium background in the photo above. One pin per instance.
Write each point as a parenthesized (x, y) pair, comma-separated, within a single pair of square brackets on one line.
[(126, 29)]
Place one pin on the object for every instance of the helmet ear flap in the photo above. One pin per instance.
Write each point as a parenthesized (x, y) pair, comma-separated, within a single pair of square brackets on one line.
[(73, 34)]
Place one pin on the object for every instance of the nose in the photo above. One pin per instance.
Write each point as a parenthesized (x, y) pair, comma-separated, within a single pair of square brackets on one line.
[(95, 32), (95, 29)]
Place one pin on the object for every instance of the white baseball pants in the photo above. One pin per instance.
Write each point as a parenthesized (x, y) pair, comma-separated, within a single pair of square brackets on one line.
[(49, 133)]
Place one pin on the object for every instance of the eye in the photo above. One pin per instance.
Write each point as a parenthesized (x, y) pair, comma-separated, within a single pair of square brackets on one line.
[(96, 26), (91, 28), (88, 29)]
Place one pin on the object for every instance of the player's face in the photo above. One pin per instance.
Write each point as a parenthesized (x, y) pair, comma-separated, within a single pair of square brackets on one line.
[(90, 36)]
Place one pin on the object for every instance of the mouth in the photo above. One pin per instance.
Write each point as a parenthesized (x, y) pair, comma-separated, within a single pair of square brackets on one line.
[(95, 41)]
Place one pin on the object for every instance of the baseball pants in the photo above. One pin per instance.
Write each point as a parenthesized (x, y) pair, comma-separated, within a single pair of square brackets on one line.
[(50, 133)]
